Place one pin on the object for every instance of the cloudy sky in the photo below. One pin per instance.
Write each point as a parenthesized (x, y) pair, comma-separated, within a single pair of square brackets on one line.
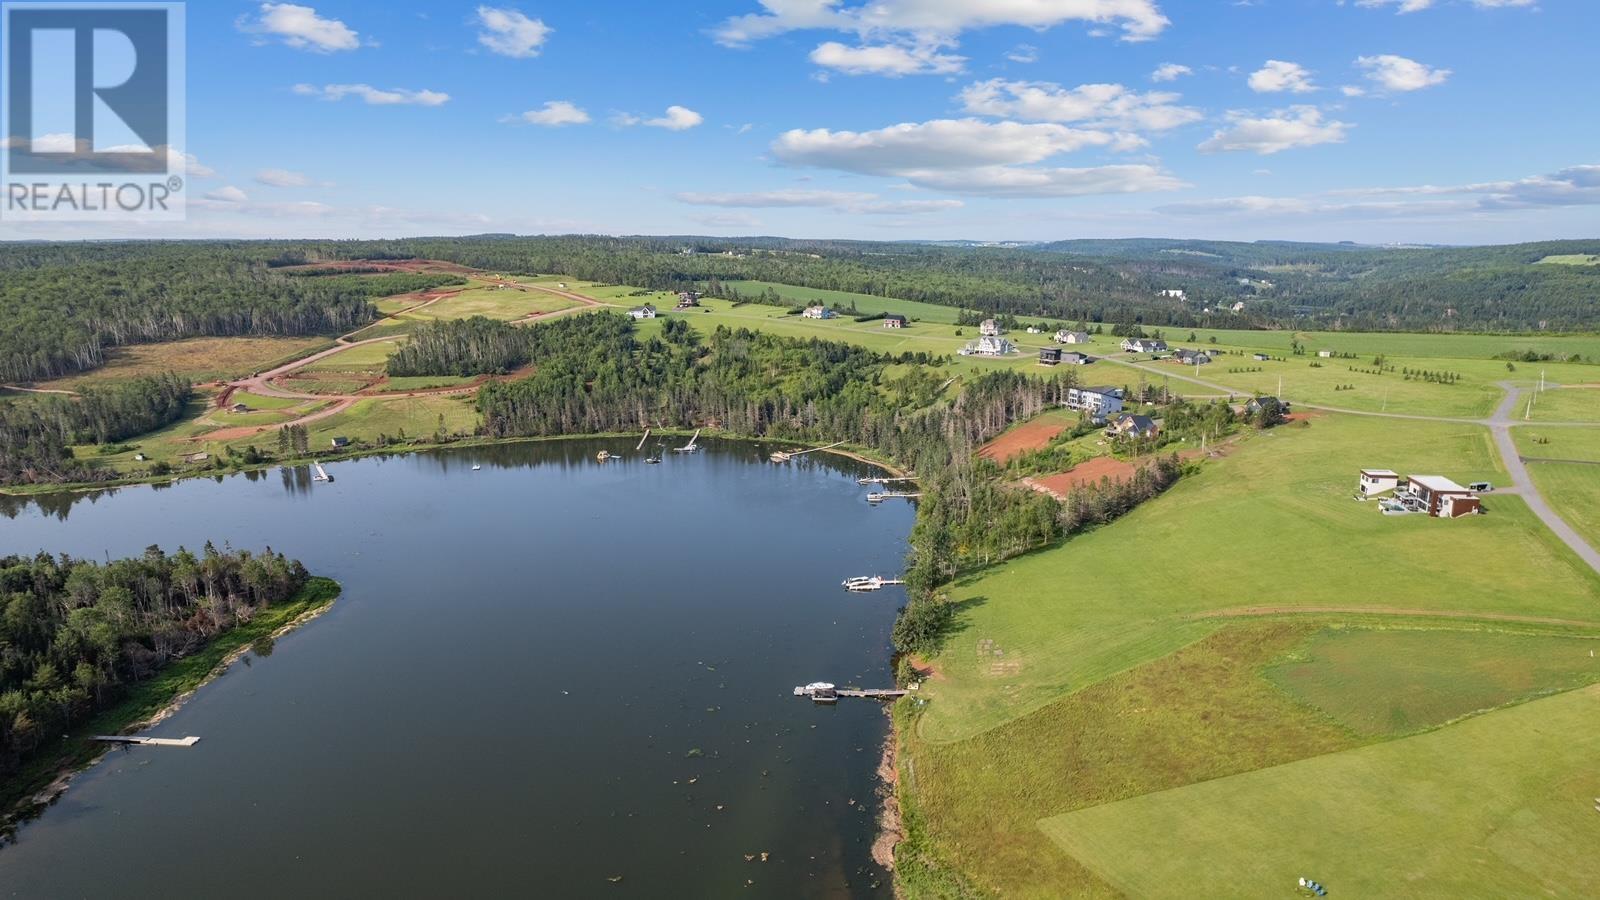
[(1451, 121)]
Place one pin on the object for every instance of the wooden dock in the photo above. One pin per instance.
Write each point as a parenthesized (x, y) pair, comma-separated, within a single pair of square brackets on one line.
[(830, 694), (880, 496), (781, 456), (884, 479), (145, 741)]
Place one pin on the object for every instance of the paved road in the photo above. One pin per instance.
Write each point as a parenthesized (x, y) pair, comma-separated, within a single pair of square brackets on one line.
[(1499, 424)]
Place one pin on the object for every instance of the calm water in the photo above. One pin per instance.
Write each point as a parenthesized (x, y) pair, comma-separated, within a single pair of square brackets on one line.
[(540, 676)]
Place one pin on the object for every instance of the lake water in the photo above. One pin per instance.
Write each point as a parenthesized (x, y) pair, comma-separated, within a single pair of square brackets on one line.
[(540, 676)]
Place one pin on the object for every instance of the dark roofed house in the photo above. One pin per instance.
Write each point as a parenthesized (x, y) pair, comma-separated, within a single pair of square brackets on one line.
[(1134, 426), (339, 442), (1049, 356), (893, 320)]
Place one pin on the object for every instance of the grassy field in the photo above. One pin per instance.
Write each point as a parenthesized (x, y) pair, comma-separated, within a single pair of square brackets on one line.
[(1407, 344), (365, 358), (866, 304), (1568, 404), (1579, 443), (1571, 259), (1497, 806), (1387, 683), (492, 303), (1574, 490), (198, 359), (1237, 535)]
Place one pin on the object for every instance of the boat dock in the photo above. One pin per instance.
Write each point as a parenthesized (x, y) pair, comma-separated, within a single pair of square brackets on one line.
[(880, 496), (883, 479), (869, 583), (145, 741), (689, 447), (642, 440), (781, 456), (822, 692), (322, 474)]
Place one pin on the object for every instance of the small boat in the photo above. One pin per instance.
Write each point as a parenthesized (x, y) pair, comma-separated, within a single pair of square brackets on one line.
[(654, 458), (869, 583), (603, 455), (476, 468), (819, 691), (689, 447)]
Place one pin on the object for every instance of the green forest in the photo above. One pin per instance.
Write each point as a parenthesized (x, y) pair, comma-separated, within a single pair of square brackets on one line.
[(36, 433), (76, 635)]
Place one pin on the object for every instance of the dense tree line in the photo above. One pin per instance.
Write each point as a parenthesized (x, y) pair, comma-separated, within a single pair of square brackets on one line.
[(74, 634), (475, 346), (62, 306), (36, 433)]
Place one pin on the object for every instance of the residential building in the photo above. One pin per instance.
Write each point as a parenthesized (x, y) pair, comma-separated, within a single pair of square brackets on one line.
[(1260, 357), (1253, 406), (894, 321), (989, 346), (1144, 345), (1377, 481), (1174, 293), (1325, 354), (688, 299), (1441, 496), (1134, 426), (340, 442), (1191, 357), (1076, 359), (1050, 356), (818, 312), (643, 312), (1072, 337), (990, 328), (1097, 401)]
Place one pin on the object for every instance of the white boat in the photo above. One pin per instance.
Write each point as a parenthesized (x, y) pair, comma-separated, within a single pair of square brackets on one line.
[(820, 691), (476, 468), (322, 474), (689, 447)]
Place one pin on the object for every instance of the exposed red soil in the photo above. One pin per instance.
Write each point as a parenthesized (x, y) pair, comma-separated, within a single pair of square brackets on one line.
[(1088, 473), (1022, 439)]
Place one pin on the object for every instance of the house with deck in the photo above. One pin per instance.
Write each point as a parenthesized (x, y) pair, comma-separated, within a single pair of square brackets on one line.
[(1377, 481), (1072, 337), (1144, 345), (989, 346), (643, 312), (1096, 401), (818, 312), (1133, 426), (1049, 356), (990, 328), (1441, 497), (1188, 357)]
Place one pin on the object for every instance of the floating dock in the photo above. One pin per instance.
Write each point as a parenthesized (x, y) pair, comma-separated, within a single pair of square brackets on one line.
[(781, 456), (642, 440), (880, 479), (145, 741), (822, 692), (322, 474), (880, 496), (689, 447), (869, 583)]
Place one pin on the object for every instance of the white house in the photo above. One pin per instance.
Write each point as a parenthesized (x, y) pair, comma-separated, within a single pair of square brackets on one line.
[(1239, 306), (1377, 481), (643, 312), (1096, 401), (990, 328), (989, 346), (818, 312), (1072, 337), (1325, 354), (1034, 329), (1174, 293), (1144, 345)]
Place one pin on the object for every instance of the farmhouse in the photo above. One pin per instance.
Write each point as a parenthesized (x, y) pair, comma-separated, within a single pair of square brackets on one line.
[(1072, 337), (1441, 497), (1254, 405), (1144, 345), (643, 312), (990, 328), (1097, 401), (818, 312), (1377, 481), (989, 346), (1049, 356), (1191, 357), (688, 299), (894, 321), (1134, 426)]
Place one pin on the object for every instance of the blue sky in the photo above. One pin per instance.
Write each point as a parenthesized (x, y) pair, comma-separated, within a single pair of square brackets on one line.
[(1452, 121)]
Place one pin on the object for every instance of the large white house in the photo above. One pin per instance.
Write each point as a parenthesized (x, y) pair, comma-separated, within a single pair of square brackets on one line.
[(1072, 337), (1144, 345), (643, 312), (990, 328), (1096, 401), (818, 312), (989, 346)]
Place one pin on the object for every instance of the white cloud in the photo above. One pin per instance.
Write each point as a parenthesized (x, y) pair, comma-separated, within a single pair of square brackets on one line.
[(677, 118), (1024, 53), (970, 156), (841, 201), (554, 114), (301, 27), (283, 178), (1396, 73), (510, 33), (1170, 72), (1353, 90), (1138, 19), (229, 194), (728, 220), (1411, 6), (372, 95), (893, 60), (1572, 186), (1297, 126), (1096, 105), (1278, 76)]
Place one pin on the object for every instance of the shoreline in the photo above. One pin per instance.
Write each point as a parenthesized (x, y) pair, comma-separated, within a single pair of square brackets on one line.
[(31, 803), (891, 829)]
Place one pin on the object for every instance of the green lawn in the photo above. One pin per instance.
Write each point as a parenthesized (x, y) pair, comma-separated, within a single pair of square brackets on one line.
[(1497, 806), (1568, 404), (1571, 259), (263, 402), (1271, 525), (866, 304), (1558, 443), (365, 358), (493, 303), (1411, 345), (1573, 489), (1387, 683)]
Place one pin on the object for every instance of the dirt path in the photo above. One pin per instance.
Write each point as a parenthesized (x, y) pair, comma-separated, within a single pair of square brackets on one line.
[(1247, 611)]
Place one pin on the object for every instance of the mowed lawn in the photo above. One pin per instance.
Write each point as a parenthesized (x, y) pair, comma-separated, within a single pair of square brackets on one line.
[(1413, 345), (1497, 806), (1567, 404), (865, 304), (198, 359), (365, 358), (492, 303), (1573, 489), (1270, 526)]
